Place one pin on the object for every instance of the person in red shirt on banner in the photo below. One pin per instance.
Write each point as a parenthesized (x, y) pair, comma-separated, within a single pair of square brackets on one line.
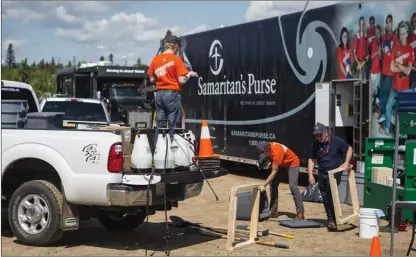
[(386, 80), (375, 63), (411, 40), (402, 60), (359, 47), (344, 56), (371, 34)]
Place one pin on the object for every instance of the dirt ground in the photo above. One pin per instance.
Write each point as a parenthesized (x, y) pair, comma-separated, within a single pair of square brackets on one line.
[(94, 239)]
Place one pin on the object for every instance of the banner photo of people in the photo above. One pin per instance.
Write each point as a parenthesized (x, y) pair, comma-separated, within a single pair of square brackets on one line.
[(378, 44)]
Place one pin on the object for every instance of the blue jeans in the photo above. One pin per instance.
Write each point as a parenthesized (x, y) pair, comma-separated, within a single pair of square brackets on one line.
[(168, 107), (391, 101), (386, 83)]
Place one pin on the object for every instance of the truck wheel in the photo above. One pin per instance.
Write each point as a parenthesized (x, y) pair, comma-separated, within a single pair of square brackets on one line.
[(117, 220), (35, 213)]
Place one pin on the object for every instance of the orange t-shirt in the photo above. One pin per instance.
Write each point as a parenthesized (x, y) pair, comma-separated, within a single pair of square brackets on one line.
[(283, 156), (402, 54), (166, 68)]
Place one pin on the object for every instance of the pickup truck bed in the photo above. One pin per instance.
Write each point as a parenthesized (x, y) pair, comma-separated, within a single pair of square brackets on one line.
[(52, 179)]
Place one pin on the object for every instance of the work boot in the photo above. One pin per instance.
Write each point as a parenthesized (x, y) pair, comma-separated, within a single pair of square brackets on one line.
[(300, 216), (274, 213), (332, 226)]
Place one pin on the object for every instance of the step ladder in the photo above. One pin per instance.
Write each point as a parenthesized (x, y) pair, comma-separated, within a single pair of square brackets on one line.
[(358, 151)]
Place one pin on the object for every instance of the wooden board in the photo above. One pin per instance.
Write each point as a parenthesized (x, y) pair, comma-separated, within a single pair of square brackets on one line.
[(232, 216), (335, 197), (125, 136), (127, 162)]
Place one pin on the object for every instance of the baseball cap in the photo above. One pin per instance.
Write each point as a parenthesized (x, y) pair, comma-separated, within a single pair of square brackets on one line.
[(173, 40), (319, 128), (263, 155)]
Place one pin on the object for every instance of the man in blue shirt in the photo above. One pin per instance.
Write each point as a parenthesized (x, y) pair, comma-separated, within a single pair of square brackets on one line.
[(329, 152)]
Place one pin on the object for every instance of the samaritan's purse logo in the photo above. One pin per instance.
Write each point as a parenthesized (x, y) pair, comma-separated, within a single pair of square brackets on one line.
[(215, 53)]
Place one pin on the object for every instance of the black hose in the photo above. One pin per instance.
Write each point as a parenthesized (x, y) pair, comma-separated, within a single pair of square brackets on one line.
[(197, 166), (167, 236), (147, 209)]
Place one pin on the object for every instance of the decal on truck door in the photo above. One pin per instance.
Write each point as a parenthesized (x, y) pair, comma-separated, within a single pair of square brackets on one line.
[(92, 153)]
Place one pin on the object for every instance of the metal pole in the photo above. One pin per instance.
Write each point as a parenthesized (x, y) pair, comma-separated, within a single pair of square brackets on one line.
[(393, 202)]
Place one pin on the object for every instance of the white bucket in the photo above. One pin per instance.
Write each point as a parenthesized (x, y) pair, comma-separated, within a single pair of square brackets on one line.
[(369, 223)]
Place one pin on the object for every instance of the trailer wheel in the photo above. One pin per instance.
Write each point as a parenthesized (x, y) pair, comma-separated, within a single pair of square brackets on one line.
[(35, 213), (120, 221)]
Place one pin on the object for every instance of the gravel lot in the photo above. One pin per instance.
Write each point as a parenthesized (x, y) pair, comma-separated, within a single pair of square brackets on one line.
[(94, 239)]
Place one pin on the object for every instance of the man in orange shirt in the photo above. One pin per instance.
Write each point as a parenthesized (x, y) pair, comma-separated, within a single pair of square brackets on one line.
[(284, 159), (402, 59), (169, 73)]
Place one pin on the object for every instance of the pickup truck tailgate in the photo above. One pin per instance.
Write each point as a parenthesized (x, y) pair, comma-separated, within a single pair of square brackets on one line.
[(133, 190)]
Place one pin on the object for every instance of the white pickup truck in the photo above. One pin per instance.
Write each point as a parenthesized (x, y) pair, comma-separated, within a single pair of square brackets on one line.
[(52, 179)]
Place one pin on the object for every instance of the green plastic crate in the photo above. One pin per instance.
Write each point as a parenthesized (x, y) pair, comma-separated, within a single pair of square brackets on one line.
[(379, 152)]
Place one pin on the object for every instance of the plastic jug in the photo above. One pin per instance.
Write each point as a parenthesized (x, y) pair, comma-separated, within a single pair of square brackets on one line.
[(164, 157), (141, 156)]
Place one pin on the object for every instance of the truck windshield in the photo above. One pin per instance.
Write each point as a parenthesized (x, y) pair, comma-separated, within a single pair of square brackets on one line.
[(77, 111), (120, 93)]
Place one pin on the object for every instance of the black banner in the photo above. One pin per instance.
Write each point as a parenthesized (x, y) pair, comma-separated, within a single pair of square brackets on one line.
[(257, 80)]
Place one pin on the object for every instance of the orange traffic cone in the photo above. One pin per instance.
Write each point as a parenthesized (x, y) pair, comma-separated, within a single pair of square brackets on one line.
[(375, 247), (205, 145)]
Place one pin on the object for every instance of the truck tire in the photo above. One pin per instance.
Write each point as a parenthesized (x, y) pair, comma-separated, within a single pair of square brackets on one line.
[(116, 221), (35, 213)]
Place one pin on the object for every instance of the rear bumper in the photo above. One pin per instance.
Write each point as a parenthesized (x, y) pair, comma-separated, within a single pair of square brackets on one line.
[(179, 186)]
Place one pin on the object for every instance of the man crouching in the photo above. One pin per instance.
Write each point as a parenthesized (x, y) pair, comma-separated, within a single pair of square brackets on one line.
[(282, 159)]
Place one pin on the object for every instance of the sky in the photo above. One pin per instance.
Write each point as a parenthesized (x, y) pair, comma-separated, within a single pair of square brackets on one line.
[(129, 30)]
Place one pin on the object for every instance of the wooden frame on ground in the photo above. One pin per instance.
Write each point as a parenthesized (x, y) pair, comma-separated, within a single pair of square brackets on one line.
[(335, 196), (232, 215)]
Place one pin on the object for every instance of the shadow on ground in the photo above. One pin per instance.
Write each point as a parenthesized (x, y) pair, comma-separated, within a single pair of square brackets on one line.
[(94, 234)]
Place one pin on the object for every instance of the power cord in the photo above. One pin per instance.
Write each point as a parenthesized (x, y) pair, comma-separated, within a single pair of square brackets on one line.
[(167, 232), (197, 166), (147, 208)]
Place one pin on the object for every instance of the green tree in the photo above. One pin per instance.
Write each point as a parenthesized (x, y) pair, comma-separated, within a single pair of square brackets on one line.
[(110, 58), (140, 65), (10, 57), (102, 58)]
